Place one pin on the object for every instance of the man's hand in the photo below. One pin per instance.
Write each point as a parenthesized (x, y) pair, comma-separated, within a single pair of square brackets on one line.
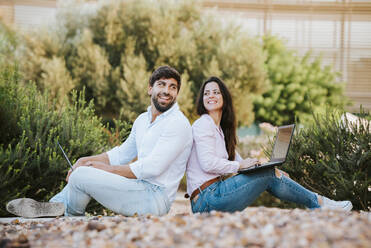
[(98, 165), (78, 163), (249, 162), (95, 164), (96, 161)]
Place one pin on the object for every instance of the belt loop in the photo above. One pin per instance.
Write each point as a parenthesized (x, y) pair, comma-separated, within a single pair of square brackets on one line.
[(199, 188)]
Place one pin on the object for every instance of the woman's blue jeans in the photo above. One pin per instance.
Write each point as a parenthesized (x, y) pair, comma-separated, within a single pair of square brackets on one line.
[(239, 191)]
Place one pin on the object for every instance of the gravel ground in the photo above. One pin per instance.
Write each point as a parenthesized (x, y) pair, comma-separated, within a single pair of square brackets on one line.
[(253, 227)]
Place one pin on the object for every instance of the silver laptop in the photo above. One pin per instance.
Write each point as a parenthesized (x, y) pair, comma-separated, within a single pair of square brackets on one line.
[(280, 149), (65, 156)]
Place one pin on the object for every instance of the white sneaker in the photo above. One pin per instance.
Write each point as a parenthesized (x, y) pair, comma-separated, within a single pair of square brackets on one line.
[(336, 205), (29, 208)]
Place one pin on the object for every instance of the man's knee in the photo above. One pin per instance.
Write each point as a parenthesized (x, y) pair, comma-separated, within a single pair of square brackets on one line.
[(76, 175)]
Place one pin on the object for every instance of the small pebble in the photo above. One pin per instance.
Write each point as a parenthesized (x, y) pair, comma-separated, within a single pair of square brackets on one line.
[(95, 225)]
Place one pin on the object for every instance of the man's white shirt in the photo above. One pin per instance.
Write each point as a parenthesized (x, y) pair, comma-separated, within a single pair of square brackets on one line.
[(162, 148)]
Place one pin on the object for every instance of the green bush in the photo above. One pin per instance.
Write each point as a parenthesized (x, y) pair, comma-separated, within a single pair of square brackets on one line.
[(333, 158), (298, 86), (31, 165), (112, 52)]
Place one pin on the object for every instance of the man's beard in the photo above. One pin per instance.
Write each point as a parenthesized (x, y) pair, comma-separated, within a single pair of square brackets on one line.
[(162, 108)]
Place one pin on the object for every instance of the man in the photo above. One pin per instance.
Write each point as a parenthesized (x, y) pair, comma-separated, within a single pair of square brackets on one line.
[(161, 139)]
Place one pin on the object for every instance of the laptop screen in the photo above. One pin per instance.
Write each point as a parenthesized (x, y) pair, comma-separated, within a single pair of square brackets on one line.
[(282, 143)]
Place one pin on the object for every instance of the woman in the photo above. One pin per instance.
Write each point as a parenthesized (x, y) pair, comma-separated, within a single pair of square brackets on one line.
[(213, 155)]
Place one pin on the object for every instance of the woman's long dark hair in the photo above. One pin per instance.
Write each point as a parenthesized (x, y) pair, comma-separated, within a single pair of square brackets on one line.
[(228, 121)]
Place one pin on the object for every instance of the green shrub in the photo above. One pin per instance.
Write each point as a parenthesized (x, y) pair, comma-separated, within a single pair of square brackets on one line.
[(333, 158), (112, 52), (31, 165), (298, 86)]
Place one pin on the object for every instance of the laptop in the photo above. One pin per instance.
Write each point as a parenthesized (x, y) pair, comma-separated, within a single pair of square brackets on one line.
[(280, 150), (65, 155)]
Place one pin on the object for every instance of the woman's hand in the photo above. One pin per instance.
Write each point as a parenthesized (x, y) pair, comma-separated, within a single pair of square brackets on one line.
[(249, 162), (279, 172)]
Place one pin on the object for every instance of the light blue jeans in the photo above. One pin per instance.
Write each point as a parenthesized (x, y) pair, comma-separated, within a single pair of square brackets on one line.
[(238, 192), (120, 194)]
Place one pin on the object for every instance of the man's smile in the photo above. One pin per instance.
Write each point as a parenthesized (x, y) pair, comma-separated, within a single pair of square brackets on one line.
[(164, 98)]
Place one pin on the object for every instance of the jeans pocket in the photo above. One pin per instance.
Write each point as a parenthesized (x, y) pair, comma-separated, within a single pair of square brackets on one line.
[(161, 200), (201, 204), (195, 204), (165, 201)]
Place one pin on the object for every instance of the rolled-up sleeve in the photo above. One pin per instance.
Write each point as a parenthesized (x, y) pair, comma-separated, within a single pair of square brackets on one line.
[(172, 142), (126, 152), (205, 139)]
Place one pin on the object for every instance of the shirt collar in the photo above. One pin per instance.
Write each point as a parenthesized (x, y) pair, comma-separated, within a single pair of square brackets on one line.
[(168, 112), (218, 128)]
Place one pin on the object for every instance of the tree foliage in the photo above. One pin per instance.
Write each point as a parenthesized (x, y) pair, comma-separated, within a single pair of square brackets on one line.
[(8, 44), (298, 86), (113, 50)]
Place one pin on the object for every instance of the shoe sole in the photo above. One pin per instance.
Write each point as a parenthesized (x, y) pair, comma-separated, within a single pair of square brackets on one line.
[(29, 208), (345, 208)]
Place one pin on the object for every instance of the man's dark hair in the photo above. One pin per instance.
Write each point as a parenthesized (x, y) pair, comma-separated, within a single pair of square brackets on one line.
[(165, 72), (228, 121)]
